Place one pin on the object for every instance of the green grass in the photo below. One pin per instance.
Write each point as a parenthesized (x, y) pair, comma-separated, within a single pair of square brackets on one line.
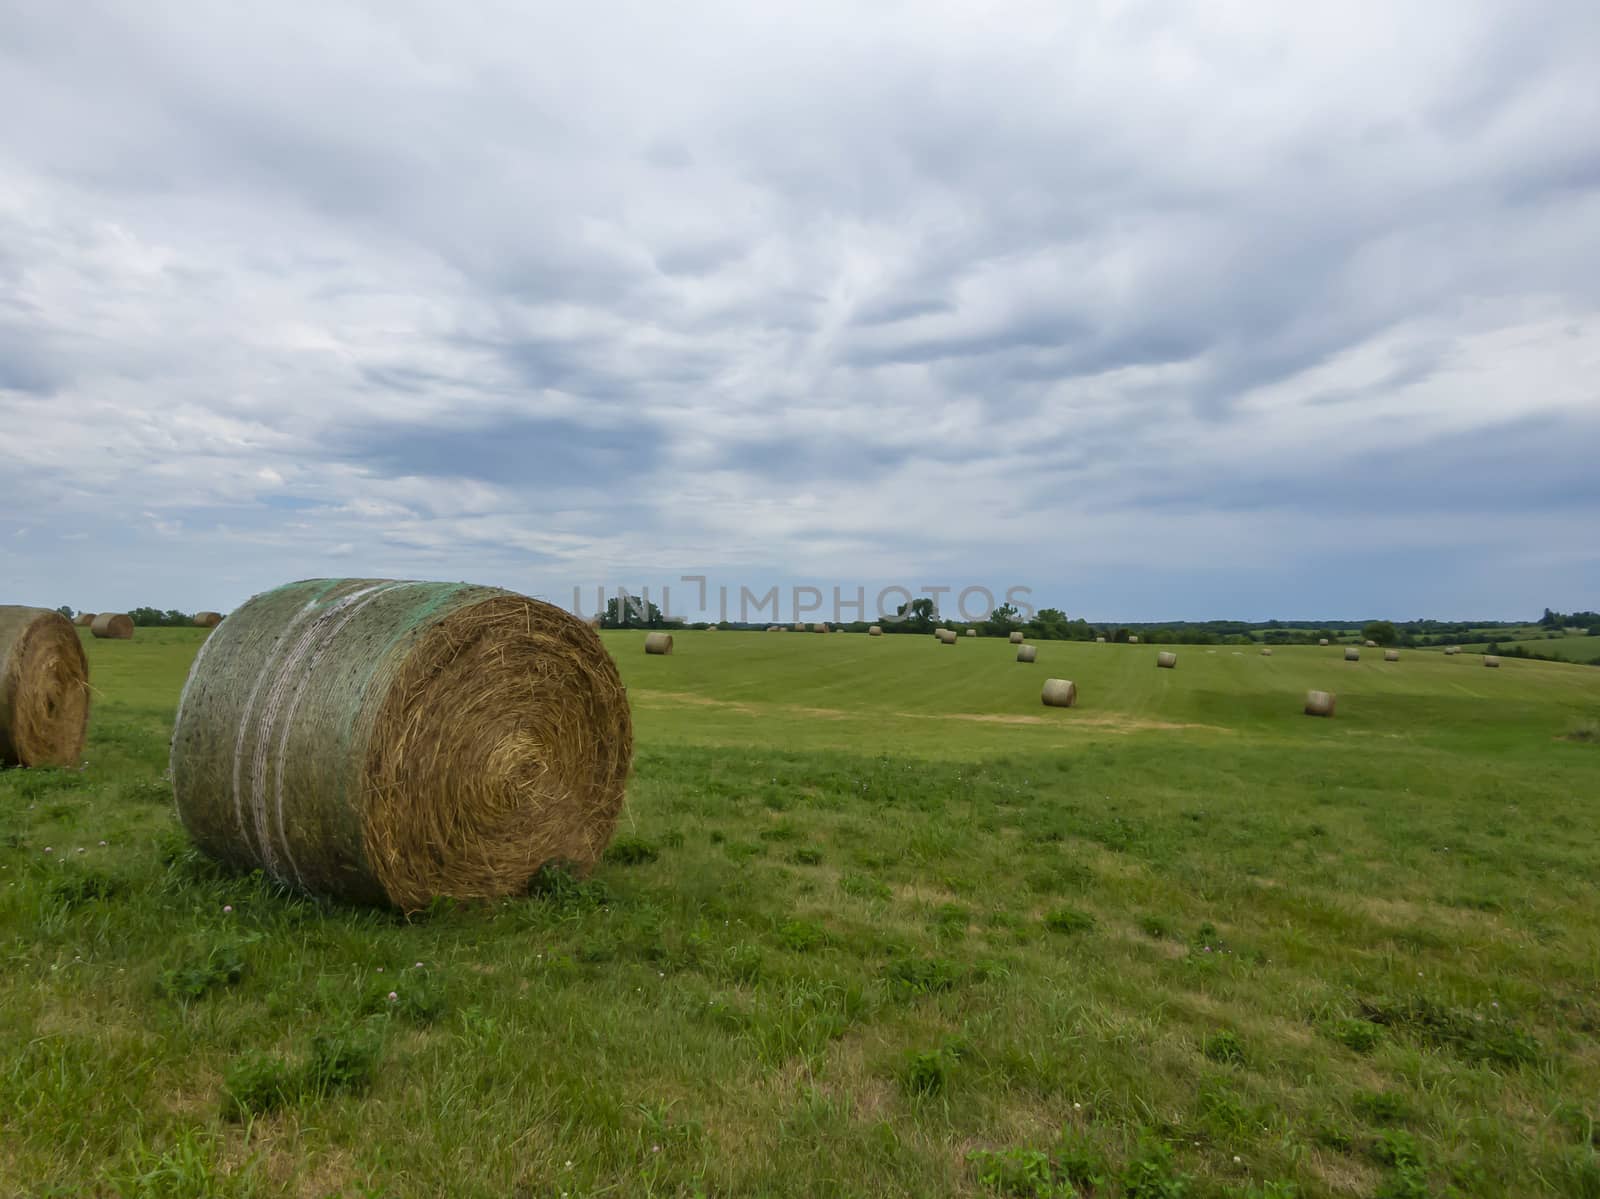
[(875, 922), (1570, 648)]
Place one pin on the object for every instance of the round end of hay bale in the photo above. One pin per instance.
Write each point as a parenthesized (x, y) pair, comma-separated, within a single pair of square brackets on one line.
[(1099, 640), (84, 619), (207, 620), (819, 627), (1352, 654), (874, 631), (1027, 653), (1266, 651), (1319, 703), (1059, 693), (1490, 660), (1322, 641), (44, 689), (658, 643), (947, 636), (799, 628), (112, 626), (394, 742), (972, 632), (1167, 660), (1016, 638), (1133, 641), (1451, 651), (1391, 655), (1371, 644)]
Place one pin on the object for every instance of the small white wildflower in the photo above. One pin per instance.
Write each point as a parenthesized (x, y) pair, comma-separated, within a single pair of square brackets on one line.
[(393, 995)]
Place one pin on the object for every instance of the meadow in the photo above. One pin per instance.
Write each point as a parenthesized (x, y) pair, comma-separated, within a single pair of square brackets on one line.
[(874, 923), (1573, 648)]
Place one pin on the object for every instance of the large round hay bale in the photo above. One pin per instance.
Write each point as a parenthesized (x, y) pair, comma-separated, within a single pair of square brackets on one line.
[(874, 631), (1266, 651), (1167, 660), (1059, 693), (940, 632), (392, 742), (1319, 703), (1027, 653), (44, 689), (947, 636), (819, 627), (1322, 641), (658, 643), (1391, 655), (1132, 640), (1452, 650), (208, 620), (84, 619), (114, 626), (1371, 645), (1352, 654), (1490, 660), (972, 632), (799, 627), (1016, 638)]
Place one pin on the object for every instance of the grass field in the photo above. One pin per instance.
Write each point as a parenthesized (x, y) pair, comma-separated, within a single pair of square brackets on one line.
[(875, 923), (1572, 648)]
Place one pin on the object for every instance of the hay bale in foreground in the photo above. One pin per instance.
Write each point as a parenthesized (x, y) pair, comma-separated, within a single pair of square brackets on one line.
[(1322, 641), (1059, 693), (1490, 660), (84, 619), (115, 626), (947, 636), (1016, 638), (1391, 655), (874, 631), (1027, 653), (658, 643), (208, 620), (1352, 654), (1167, 660), (1319, 703), (392, 742), (44, 689)]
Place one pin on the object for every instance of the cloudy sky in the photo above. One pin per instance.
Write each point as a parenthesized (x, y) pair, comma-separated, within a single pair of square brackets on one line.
[(1159, 309)]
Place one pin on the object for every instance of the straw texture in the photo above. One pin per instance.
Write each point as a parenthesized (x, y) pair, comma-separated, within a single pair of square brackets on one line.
[(1490, 660), (1167, 660), (1027, 653), (391, 742), (208, 620), (1319, 703), (874, 631), (1059, 693), (84, 619), (113, 625), (1391, 655), (1352, 654), (44, 689), (947, 636), (658, 643)]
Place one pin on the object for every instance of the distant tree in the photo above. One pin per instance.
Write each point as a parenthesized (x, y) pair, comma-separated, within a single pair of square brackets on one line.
[(1550, 619), (156, 618), (1002, 620), (1381, 631), (66, 611), (1049, 624), (636, 613), (916, 617)]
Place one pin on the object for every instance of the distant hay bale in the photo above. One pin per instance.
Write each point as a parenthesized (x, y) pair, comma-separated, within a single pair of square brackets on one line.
[(1133, 640), (1319, 703), (208, 620), (1352, 654), (972, 632), (115, 626), (1099, 640), (711, 628), (1322, 641), (874, 631), (658, 643), (44, 689), (820, 627), (393, 742), (799, 627), (1059, 693), (947, 636), (84, 619), (1452, 650), (1372, 645), (1490, 660), (1016, 638), (1167, 660), (1391, 655), (1266, 651), (1027, 653)]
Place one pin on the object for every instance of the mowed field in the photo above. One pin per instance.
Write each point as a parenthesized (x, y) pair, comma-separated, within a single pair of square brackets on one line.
[(875, 923), (1572, 648)]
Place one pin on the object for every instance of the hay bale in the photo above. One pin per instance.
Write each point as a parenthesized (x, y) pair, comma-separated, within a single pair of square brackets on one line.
[(1132, 640), (819, 627), (1372, 645), (874, 631), (208, 620), (393, 742), (84, 619), (1059, 693), (1490, 660), (1451, 651), (1027, 653), (1352, 654), (658, 643), (1391, 655), (1167, 660), (1266, 651), (114, 626), (947, 636), (44, 689), (1322, 641), (972, 632), (1016, 638), (799, 627), (940, 632), (1319, 703), (1099, 640)]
